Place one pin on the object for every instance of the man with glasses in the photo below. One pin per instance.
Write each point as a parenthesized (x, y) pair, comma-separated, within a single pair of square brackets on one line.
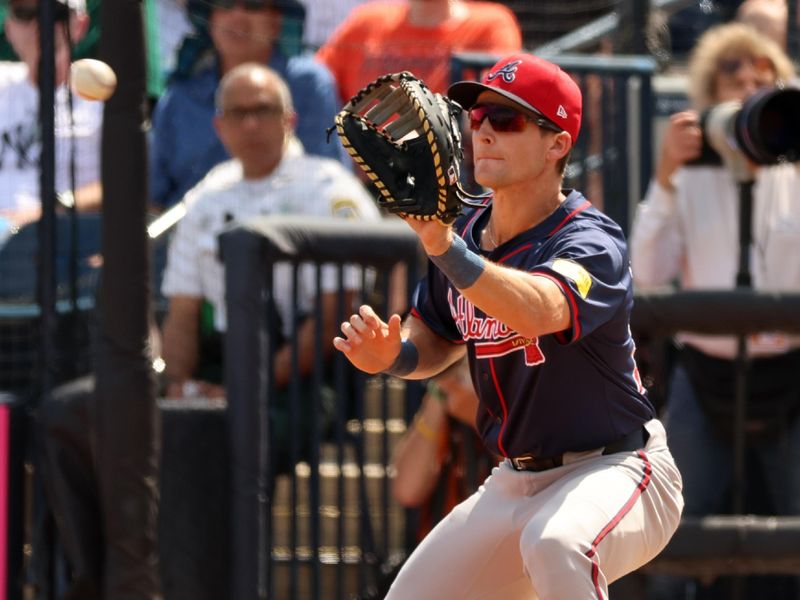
[(269, 174), (184, 144), (77, 128), (535, 289)]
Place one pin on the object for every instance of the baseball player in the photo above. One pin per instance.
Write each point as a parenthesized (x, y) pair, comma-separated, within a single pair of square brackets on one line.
[(535, 288)]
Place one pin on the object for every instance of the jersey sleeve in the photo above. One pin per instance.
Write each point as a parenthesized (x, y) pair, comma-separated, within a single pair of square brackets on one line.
[(431, 303), (593, 271)]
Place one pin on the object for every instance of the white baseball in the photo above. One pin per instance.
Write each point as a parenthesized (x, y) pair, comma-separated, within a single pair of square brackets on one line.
[(93, 79)]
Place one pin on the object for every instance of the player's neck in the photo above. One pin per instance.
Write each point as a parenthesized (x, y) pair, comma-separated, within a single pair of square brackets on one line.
[(513, 213), (430, 13)]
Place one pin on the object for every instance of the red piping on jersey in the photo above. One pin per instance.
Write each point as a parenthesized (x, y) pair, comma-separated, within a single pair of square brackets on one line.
[(516, 251), (576, 322), (503, 405), (640, 488), (468, 224), (581, 208)]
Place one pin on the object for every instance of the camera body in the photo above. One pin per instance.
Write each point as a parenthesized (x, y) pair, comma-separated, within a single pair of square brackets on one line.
[(765, 129)]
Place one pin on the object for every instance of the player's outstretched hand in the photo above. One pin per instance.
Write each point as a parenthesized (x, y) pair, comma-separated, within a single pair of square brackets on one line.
[(368, 342)]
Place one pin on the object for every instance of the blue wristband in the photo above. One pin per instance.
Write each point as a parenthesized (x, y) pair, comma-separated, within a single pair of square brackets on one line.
[(406, 361), (459, 264)]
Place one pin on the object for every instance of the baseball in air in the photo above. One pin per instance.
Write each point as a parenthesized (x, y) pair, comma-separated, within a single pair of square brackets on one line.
[(93, 79)]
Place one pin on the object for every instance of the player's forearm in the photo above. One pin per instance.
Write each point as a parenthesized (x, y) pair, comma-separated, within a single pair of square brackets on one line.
[(528, 304)]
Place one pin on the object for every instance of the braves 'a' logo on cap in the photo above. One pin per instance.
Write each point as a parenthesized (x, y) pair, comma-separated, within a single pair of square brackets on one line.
[(507, 72)]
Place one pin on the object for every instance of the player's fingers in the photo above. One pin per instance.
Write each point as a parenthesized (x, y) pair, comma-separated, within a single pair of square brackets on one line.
[(361, 327), (395, 322), (341, 344), (350, 333), (368, 315)]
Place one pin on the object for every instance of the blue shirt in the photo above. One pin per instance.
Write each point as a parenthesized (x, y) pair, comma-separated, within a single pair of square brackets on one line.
[(574, 390), (184, 146)]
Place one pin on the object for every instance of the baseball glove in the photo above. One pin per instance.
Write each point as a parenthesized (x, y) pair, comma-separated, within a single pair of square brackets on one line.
[(407, 140)]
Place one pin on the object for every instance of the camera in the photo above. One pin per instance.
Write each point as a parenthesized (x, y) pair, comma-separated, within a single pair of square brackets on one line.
[(765, 129)]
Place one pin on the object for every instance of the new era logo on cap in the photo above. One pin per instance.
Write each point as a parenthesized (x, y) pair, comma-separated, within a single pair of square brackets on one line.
[(532, 82)]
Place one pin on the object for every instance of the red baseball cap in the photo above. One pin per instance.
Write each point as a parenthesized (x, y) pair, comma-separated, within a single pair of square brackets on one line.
[(532, 82)]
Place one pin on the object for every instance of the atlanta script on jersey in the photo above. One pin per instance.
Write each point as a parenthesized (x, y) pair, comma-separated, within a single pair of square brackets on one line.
[(571, 391)]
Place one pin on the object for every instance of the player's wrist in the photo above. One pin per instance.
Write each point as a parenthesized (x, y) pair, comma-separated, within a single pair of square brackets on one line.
[(459, 264), (406, 361)]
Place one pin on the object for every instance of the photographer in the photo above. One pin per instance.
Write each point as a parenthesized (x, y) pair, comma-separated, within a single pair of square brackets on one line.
[(686, 229)]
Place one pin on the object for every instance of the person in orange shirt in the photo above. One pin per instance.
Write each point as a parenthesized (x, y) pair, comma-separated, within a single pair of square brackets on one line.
[(417, 35)]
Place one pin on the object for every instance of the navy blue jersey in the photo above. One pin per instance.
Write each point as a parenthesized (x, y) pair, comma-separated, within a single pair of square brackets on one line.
[(570, 391)]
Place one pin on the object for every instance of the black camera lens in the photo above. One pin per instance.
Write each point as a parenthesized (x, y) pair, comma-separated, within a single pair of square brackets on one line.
[(767, 127)]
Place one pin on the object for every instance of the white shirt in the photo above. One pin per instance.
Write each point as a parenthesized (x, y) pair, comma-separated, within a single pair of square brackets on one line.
[(173, 25), (691, 234), (301, 184), (20, 139)]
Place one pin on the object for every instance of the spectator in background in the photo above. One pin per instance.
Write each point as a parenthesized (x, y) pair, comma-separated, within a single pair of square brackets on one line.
[(769, 17), (20, 128), (184, 145), (268, 174), (417, 35), (441, 460), (323, 17), (170, 24), (687, 229)]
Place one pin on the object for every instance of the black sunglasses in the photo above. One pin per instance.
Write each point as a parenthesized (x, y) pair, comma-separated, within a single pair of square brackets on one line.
[(506, 119), (25, 13)]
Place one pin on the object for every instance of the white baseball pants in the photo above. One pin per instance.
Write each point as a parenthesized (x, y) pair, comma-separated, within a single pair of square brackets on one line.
[(560, 534)]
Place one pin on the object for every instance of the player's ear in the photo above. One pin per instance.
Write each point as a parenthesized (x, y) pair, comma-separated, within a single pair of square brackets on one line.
[(560, 145)]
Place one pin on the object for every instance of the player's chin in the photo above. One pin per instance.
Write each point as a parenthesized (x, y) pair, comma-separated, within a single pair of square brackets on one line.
[(486, 173)]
